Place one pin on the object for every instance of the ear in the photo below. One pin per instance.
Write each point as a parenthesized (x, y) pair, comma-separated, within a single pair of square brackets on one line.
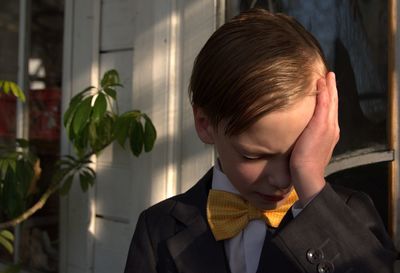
[(204, 128)]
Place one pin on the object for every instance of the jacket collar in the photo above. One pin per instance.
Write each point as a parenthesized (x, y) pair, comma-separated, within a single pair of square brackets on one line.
[(194, 248)]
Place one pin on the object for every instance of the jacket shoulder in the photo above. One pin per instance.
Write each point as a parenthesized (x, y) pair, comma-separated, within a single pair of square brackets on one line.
[(159, 213)]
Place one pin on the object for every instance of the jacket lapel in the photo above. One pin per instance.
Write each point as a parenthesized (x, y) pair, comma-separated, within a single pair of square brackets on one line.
[(194, 248)]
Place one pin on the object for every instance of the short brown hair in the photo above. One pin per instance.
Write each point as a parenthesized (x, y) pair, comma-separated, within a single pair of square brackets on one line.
[(257, 63)]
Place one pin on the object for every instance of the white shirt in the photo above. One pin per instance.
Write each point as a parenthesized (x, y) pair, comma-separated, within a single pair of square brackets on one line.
[(244, 250)]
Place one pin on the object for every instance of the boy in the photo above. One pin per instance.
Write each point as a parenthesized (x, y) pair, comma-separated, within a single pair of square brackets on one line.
[(262, 94)]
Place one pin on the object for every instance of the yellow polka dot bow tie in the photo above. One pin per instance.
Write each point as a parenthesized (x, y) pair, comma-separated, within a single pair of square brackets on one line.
[(229, 213)]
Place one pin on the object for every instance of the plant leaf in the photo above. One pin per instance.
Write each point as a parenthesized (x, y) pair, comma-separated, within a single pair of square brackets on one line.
[(115, 85), (86, 179), (12, 164), (78, 97), (100, 107), (150, 134), (3, 167), (111, 77), (62, 162), (136, 137), (6, 87), (121, 130), (83, 179), (132, 114), (82, 115), (6, 244), (17, 91), (111, 92), (81, 140), (13, 200), (60, 174), (75, 101), (91, 171), (67, 185), (7, 234), (93, 136), (24, 173), (70, 157), (68, 114)]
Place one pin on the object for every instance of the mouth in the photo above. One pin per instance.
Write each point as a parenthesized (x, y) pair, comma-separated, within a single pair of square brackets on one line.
[(271, 198)]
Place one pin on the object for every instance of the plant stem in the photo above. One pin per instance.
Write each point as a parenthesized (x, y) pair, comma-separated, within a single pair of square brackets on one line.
[(39, 204), (43, 199)]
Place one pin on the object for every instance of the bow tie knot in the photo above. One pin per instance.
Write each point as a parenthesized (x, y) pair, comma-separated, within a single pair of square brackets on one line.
[(229, 213)]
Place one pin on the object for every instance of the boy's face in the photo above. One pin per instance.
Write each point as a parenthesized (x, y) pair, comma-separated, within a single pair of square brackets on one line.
[(257, 160)]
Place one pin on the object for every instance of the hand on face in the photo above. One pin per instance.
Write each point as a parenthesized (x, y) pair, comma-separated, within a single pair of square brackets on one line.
[(313, 149)]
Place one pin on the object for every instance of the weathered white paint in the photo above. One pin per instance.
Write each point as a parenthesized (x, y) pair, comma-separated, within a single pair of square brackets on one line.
[(112, 241), (123, 62), (117, 20), (197, 26), (64, 146), (152, 44), (113, 194), (150, 95), (80, 69), (174, 111)]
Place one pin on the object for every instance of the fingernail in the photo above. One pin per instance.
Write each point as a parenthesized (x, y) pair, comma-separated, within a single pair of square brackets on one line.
[(334, 76)]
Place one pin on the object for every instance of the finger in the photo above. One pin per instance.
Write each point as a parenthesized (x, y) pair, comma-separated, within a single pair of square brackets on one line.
[(331, 83), (322, 107), (333, 109)]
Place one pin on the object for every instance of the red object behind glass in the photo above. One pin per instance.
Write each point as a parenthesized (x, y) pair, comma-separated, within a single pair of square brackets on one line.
[(7, 116), (44, 115)]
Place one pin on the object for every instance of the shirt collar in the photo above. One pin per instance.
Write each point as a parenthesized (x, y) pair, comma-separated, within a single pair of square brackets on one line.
[(220, 181)]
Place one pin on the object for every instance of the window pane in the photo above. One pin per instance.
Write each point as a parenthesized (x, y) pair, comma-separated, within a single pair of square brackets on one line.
[(39, 237), (9, 16), (44, 66), (9, 13), (354, 38)]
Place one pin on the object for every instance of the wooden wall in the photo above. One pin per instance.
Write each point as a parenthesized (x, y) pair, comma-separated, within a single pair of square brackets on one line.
[(152, 44)]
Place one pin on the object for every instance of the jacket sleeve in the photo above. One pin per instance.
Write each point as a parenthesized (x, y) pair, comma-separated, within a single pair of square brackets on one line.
[(336, 235), (141, 255)]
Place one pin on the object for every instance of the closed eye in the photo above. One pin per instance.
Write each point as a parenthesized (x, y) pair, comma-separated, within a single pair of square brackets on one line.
[(251, 157), (258, 157)]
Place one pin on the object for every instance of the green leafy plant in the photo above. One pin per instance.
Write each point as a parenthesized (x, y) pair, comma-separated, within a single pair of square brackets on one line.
[(92, 122), (8, 87), (16, 174), (6, 239)]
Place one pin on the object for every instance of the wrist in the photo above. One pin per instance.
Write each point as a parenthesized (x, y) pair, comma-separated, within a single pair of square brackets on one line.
[(307, 187)]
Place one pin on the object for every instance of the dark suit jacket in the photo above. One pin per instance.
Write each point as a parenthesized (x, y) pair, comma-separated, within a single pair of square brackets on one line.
[(339, 231)]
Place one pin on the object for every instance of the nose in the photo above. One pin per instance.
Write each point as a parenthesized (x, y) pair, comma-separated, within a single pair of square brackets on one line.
[(279, 175)]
